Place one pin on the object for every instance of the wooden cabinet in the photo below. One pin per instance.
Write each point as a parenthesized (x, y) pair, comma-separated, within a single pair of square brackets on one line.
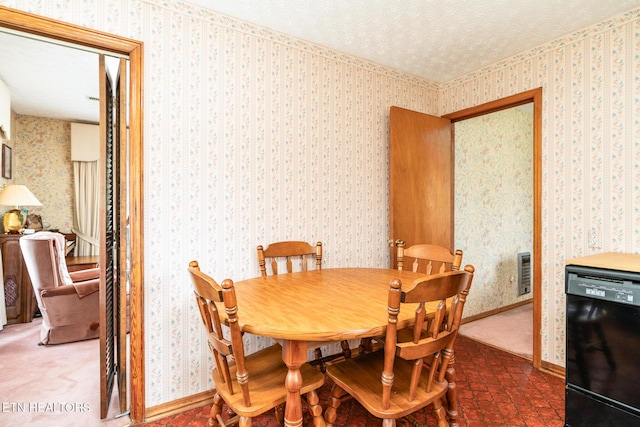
[(18, 292)]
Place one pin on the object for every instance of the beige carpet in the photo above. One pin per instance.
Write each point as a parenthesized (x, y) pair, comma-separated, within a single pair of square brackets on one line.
[(57, 385), (511, 330)]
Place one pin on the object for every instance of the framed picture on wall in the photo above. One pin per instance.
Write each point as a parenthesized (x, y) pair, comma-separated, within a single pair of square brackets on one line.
[(6, 161)]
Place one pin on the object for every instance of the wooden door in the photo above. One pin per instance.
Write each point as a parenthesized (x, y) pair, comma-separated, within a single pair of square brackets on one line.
[(113, 297), (421, 179), (107, 359)]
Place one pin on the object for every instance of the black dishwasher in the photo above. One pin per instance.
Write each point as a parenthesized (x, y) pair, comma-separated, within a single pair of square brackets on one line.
[(603, 341)]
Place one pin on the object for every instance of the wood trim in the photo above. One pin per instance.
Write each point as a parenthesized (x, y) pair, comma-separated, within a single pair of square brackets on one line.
[(493, 106), (71, 33), (136, 242), (183, 404), (535, 96), (552, 369), (537, 228), (496, 311), (50, 28)]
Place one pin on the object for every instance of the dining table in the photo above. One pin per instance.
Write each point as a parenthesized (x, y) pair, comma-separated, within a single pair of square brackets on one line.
[(307, 309)]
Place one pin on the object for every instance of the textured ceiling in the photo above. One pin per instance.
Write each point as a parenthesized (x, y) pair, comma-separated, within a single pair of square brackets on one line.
[(438, 40)]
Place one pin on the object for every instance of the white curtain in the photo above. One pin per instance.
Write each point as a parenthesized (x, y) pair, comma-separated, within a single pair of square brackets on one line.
[(86, 219)]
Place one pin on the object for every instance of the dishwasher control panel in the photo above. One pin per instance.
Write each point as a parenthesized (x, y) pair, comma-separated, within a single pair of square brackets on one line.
[(616, 289)]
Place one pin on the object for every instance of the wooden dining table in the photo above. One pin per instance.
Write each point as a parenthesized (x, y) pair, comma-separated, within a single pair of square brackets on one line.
[(306, 309)]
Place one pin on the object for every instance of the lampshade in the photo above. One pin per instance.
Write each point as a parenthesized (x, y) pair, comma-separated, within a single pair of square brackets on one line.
[(17, 195)]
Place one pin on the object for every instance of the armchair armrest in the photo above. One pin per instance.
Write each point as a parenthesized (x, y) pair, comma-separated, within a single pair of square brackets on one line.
[(80, 289), (56, 292), (82, 275)]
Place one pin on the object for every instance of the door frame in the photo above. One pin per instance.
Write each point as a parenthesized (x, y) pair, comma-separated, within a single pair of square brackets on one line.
[(70, 33), (535, 96)]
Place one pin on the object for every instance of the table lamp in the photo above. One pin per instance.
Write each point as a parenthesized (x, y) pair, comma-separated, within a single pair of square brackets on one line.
[(16, 195)]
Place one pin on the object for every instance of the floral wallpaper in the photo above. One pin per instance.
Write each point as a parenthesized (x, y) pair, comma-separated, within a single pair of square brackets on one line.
[(253, 136), (269, 138), (590, 147), (41, 152), (494, 203)]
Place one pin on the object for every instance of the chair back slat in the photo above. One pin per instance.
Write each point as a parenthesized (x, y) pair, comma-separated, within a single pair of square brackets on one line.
[(438, 319), (433, 350), (420, 322), (295, 255), (455, 312), (432, 375)]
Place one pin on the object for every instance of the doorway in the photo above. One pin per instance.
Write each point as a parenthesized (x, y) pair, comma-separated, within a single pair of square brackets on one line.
[(494, 224), (60, 32), (533, 96)]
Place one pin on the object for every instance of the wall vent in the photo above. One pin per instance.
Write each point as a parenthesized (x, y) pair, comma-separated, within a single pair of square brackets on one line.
[(524, 273)]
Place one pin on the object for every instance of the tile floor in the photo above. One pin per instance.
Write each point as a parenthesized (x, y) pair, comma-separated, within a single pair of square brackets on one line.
[(495, 389)]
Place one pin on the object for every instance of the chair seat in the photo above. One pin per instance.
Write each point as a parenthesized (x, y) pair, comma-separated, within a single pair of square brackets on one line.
[(360, 377), (266, 382)]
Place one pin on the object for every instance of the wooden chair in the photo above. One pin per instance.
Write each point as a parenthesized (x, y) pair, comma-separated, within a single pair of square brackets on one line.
[(249, 385), (418, 371), (288, 251), (305, 255), (428, 258)]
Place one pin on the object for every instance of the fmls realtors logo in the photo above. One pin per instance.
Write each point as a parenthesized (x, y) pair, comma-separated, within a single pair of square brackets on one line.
[(45, 407)]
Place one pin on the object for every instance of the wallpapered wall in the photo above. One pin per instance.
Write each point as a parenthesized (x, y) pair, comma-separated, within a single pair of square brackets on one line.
[(253, 136), (42, 162), (494, 203), (590, 145), (267, 138)]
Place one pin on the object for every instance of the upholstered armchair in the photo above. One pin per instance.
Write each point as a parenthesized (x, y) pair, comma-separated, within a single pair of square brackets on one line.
[(68, 301)]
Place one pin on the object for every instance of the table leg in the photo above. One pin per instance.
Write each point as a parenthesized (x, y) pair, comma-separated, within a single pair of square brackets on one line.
[(294, 354)]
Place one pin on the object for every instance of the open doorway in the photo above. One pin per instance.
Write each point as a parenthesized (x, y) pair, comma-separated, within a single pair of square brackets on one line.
[(54, 89), (422, 150), (494, 223), (533, 96), (90, 39)]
